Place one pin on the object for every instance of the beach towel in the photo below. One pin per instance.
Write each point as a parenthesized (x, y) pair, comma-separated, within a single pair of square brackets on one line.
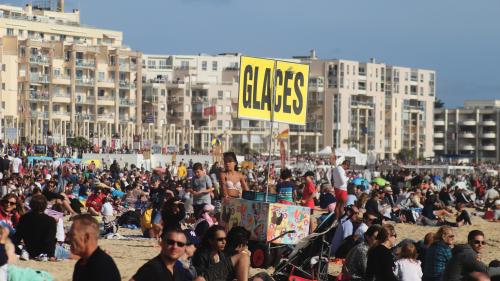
[(16, 273)]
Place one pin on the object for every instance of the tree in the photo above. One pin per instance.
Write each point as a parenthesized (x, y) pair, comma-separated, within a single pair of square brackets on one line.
[(438, 103), (405, 154), (79, 142)]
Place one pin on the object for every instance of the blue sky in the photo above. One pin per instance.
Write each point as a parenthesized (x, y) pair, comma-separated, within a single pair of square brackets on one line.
[(457, 38)]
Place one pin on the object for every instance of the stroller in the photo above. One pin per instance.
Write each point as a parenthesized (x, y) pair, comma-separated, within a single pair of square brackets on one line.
[(309, 259)]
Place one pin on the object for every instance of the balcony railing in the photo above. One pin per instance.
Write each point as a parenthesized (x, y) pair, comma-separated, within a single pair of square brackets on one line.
[(62, 77), (82, 117), (84, 82), (127, 102), (124, 84), (106, 116), (36, 95), (37, 78), (84, 63), (62, 95), (62, 113), (108, 98), (39, 59), (40, 114)]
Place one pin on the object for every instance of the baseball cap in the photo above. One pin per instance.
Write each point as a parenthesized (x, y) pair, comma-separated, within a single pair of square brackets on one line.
[(309, 174), (191, 237)]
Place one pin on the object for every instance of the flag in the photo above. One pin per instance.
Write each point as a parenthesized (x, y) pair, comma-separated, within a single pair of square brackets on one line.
[(209, 111), (283, 135), (217, 140)]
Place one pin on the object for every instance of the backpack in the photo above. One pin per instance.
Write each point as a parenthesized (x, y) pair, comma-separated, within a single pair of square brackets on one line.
[(16, 273)]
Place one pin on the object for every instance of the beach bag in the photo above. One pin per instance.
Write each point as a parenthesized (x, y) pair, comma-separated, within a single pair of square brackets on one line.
[(16, 273)]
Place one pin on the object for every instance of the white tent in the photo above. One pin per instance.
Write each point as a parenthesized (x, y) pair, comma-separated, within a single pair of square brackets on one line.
[(342, 154)]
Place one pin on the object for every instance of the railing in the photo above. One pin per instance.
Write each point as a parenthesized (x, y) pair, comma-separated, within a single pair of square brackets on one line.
[(39, 78), (183, 67), (106, 116), (124, 84), (35, 95), (62, 113), (39, 59), (62, 95), (108, 98), (106, 81), (81, 117), (127, 102), (84, 63), (124, 67), (40, 114), (62, 77), (85, 82)]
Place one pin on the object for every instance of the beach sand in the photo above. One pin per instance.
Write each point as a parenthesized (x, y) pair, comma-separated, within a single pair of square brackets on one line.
[(129, 255)]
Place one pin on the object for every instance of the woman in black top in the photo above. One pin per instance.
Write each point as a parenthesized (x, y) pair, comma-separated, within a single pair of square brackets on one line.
[(214, 264), (380, 259)]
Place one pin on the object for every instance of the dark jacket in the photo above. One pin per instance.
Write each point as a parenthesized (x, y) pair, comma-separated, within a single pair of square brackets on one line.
[(38, 231), (463, 261), (209, 269), (436, 258)]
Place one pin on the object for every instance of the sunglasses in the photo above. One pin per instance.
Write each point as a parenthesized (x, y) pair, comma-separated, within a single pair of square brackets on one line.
[(173, 242), (477, 242), (220, 239), (10, 203)]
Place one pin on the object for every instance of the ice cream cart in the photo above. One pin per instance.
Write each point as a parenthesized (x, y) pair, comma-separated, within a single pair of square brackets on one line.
[(272, 226)]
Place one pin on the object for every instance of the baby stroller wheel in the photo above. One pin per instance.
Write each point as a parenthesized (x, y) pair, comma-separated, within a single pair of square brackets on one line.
[(260, 256)]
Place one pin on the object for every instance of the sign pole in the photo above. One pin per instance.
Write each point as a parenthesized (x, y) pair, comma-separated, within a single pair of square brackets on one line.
[(271, 150)]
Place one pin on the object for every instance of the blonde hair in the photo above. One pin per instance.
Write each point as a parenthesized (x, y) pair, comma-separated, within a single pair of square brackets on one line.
[(441, 231)]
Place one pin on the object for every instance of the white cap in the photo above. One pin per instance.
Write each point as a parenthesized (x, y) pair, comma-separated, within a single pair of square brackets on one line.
[(48, 177)]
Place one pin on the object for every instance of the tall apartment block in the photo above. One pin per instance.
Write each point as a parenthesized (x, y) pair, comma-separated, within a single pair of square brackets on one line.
[(61, 79), (374, 107), (470, 131), (192, 85)]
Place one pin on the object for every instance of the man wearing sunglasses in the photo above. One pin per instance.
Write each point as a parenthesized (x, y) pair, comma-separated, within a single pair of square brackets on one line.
[(466, 258), (166, 265)]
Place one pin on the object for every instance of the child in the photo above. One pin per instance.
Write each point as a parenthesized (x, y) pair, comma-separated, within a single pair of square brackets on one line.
[(407, 267), (463, 217)]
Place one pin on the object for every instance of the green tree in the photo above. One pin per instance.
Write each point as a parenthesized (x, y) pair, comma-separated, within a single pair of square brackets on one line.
[(79, 142), (438, 103), (405, 154)]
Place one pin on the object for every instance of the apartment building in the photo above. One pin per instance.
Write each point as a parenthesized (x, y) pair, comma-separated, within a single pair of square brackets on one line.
[(377, 108), (194, 84), (469, 132), (61, 79)]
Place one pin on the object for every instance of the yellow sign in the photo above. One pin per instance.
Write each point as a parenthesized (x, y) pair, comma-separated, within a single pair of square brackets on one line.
[(257, 79)]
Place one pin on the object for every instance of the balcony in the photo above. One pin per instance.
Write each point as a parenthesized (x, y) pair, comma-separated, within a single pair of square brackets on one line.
[(468, 147), (111, 98), (438, 135), (489, 135), (126, 119), (316, 87), (470, 122), (39, 59), (62, 95), (85, 82), (84, 117), (489, 123), (468, 135), (439, 123), (127, 102), (39, 96), (438, 147), (489, 147), (124, 67), (59, 114), (61, 79), (124, 84), (38, 78), (108, 83), (83, 63), (108, 117), (39, 114)]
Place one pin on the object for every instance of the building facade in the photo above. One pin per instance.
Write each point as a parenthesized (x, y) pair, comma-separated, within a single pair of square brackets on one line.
[(374, 107), (469, 132), (61, 79)]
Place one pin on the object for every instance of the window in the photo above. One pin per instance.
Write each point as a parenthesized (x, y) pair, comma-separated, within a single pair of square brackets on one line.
[(163, 93), (227, 94), (406, 90), (21, 33), (347, 69), (101, 93), (3, 105), (228, 108), (407, 76), (227, 124), (56, 107), (100, 110), (376, 72), (204, 65), (101, 76), (214, 66), (3, 86), (220, 95), (184, 64), (421, 78), (187, 108), (421, 91), (3, 67), (219, 109), (163, 64), (10, 31), (219, 123), (151, 64), (57, 72)]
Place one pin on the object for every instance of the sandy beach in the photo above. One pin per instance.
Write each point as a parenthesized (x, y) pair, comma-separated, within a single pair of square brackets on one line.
[(131, 254)]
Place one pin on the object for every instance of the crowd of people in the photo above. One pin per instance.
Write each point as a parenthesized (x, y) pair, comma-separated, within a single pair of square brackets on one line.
[(180, 206)]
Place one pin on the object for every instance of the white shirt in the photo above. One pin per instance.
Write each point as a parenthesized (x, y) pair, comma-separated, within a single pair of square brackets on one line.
[(16, 163), (340, 178), (360, 231), (408, 270), (107, 209)]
